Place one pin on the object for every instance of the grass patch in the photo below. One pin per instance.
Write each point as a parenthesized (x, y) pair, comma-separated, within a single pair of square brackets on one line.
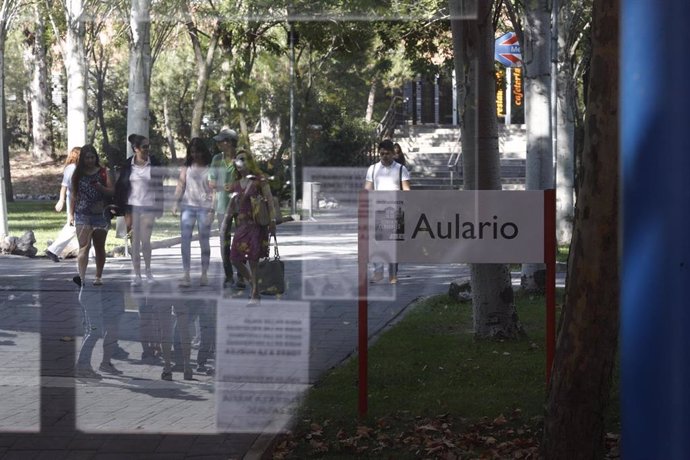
[(40, 216), (433, 390)]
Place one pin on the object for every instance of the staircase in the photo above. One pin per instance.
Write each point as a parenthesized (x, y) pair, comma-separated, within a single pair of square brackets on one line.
[(433, 156)]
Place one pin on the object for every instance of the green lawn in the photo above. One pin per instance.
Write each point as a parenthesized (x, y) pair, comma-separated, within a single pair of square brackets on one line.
[(434, 390), (40, 216)]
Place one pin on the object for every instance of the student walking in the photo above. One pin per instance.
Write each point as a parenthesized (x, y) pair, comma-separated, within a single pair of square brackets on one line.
[(195, 197), (221, 176), (250, 242), (387, 174), (139, 191), (91, 186), (67, 233)]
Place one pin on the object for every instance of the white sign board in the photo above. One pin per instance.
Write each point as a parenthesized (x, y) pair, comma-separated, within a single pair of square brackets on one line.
[(262, 364), (450, 226)]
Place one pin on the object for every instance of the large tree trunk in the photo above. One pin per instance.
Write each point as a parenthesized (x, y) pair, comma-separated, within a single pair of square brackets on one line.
[(6, 193), (140, 62), (168, 130), (203, 66), (370, 102), (39, 90), (588, 333), (75, 66), (537, 80), (492, 293), (565, 130)]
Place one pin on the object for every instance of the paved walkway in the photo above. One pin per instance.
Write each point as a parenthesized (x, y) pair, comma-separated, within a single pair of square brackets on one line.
[(47, 413)]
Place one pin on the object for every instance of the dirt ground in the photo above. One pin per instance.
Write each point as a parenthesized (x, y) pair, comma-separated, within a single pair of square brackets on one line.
[(30, 178)]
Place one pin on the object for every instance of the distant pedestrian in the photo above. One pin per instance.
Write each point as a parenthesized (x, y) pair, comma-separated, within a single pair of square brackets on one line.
[(399, 155), (387, 175), (67, 234), (194, 196), (250, 241), (139, 190), (221, 177), (91, 189)]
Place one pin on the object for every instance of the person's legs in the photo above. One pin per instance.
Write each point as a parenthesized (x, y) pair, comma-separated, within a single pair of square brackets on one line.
[(90, 302), (204, 224), (225, 244), (255, 288), (135, 219), (207, 331), (146, 228), (393, 273), (84, 233), (111, 328), (378, 273), (187, 219), (165, 321), (99, 235), (183, 319)]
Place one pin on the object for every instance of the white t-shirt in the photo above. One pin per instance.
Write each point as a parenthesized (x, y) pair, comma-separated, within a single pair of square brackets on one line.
[(67, 174), (197, 192), (387, 177), (140, 181)]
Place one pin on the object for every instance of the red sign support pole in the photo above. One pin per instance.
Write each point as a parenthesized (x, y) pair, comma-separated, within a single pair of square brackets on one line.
[(550, 260), (363, 305)]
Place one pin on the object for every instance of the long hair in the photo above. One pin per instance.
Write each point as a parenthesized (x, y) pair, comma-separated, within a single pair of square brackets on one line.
[(198, 144), (73, 156), (399, 155), (79, 172)]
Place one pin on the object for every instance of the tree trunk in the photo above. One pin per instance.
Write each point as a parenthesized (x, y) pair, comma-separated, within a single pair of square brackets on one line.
[(588, 334), (6, 193), (39, 90), (370, 101), (492, 293), (140, 62), (168, 130), (565, 154), (203, 68), (75, 66), (537, 79)]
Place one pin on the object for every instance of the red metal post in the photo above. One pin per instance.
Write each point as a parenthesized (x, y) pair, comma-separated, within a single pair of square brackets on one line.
[(363, 307), (550, 260)]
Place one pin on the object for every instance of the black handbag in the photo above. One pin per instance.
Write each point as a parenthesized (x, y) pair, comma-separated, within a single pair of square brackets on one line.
[(270, 273)]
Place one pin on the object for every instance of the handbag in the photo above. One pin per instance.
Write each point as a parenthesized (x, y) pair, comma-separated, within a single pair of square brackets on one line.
[(270, 273), (260, 213)]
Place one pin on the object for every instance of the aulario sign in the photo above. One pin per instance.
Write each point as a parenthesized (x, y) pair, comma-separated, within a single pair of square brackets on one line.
[(485, 226)]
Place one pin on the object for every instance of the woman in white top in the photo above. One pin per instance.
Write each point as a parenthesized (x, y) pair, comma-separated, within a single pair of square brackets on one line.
[(139, 190), (67, 233), (195, 198)]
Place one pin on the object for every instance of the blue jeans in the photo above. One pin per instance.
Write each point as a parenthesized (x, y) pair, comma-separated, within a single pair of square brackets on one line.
[(99, 321), (202, 217)]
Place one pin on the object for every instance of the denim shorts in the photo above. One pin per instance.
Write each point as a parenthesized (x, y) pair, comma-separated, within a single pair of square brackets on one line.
[(92, 220)]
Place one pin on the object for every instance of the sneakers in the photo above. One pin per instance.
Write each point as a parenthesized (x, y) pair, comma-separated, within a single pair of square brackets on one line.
[(204, 280), (393, 279), (98, 282), (120, 353), (136, 281), (185, 281), (166, 375), (149, 277), (240, 283), (228, 283), (52, 256), (376, 277), (108, 368), (86, 373)]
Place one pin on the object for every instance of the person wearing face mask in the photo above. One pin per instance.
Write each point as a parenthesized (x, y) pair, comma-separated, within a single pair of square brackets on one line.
[(251, 240)]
